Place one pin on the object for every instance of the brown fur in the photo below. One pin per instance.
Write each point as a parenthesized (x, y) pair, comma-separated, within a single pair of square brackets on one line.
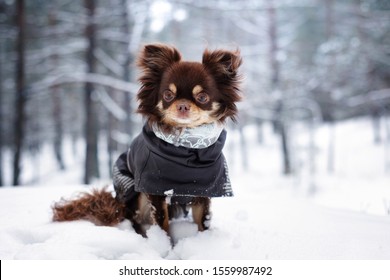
[(218, 72), (163, 71), (99, 206)]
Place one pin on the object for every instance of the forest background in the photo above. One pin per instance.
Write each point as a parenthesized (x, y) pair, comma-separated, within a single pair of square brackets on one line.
[(67, 75)]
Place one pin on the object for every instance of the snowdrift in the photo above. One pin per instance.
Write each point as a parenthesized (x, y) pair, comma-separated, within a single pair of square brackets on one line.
[(251, 225)]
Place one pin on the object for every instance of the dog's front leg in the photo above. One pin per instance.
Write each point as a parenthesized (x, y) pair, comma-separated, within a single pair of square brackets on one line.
[(201, 212), (160, 211)]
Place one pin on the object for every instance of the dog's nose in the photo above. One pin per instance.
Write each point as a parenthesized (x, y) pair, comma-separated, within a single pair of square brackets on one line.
[(183, 107)]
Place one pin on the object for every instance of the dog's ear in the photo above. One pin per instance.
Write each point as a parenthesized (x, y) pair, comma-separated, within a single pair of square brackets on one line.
[(153, 61), (223, 66), (157, 57)]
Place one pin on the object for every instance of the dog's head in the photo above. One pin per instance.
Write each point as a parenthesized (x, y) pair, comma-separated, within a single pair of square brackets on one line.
[(179, 93)]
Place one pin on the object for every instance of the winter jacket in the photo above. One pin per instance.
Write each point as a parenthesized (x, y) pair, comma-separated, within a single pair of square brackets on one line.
[(155, 166)]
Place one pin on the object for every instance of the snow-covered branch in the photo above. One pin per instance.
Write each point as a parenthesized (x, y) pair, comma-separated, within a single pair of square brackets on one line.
[(70, 48), (79, 18), (371, 97), (247, 26), (94, 78), (237, 6), (108, 62), (115, 36), (110, 104)]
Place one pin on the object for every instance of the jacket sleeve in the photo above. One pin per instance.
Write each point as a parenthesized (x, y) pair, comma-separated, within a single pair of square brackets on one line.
[(123, 179)]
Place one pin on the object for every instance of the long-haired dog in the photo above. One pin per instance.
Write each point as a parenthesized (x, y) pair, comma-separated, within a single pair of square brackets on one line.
[(175, 165)]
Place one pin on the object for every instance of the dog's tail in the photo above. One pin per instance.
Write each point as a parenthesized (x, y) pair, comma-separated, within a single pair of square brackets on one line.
[(99, 207)]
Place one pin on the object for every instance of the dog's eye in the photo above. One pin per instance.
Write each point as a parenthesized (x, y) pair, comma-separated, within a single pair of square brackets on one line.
[(168, 95), (202, 98)]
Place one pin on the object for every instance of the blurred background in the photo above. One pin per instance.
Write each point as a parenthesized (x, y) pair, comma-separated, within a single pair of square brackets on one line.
[(316, 86)]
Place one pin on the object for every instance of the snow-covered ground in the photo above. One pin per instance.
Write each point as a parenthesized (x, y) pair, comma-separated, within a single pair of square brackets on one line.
[(339, 216)]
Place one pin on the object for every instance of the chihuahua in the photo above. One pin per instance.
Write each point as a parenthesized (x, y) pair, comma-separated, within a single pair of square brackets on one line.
[(175, 165)]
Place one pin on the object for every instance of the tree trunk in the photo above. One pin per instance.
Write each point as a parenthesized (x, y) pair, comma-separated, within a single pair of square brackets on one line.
[(280, 124), (128, 127), (329, 34), (312, 158), (273, 46), (112, 125), (1, 111), (57, 104), (386, 144), (329, 18), (281, 127), (285, 149), (376, 111), (91, 123), (376, 125), (58, 136), (331, 147), (243, 148), (20, 90)]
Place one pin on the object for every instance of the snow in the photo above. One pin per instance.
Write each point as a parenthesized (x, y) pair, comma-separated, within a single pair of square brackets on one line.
[(270, 216)]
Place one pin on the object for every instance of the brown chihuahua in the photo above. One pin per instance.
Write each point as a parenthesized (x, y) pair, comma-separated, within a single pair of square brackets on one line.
[(175, 165)]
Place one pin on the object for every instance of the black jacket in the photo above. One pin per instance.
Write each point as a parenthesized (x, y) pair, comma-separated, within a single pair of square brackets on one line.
[(154, 166)]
